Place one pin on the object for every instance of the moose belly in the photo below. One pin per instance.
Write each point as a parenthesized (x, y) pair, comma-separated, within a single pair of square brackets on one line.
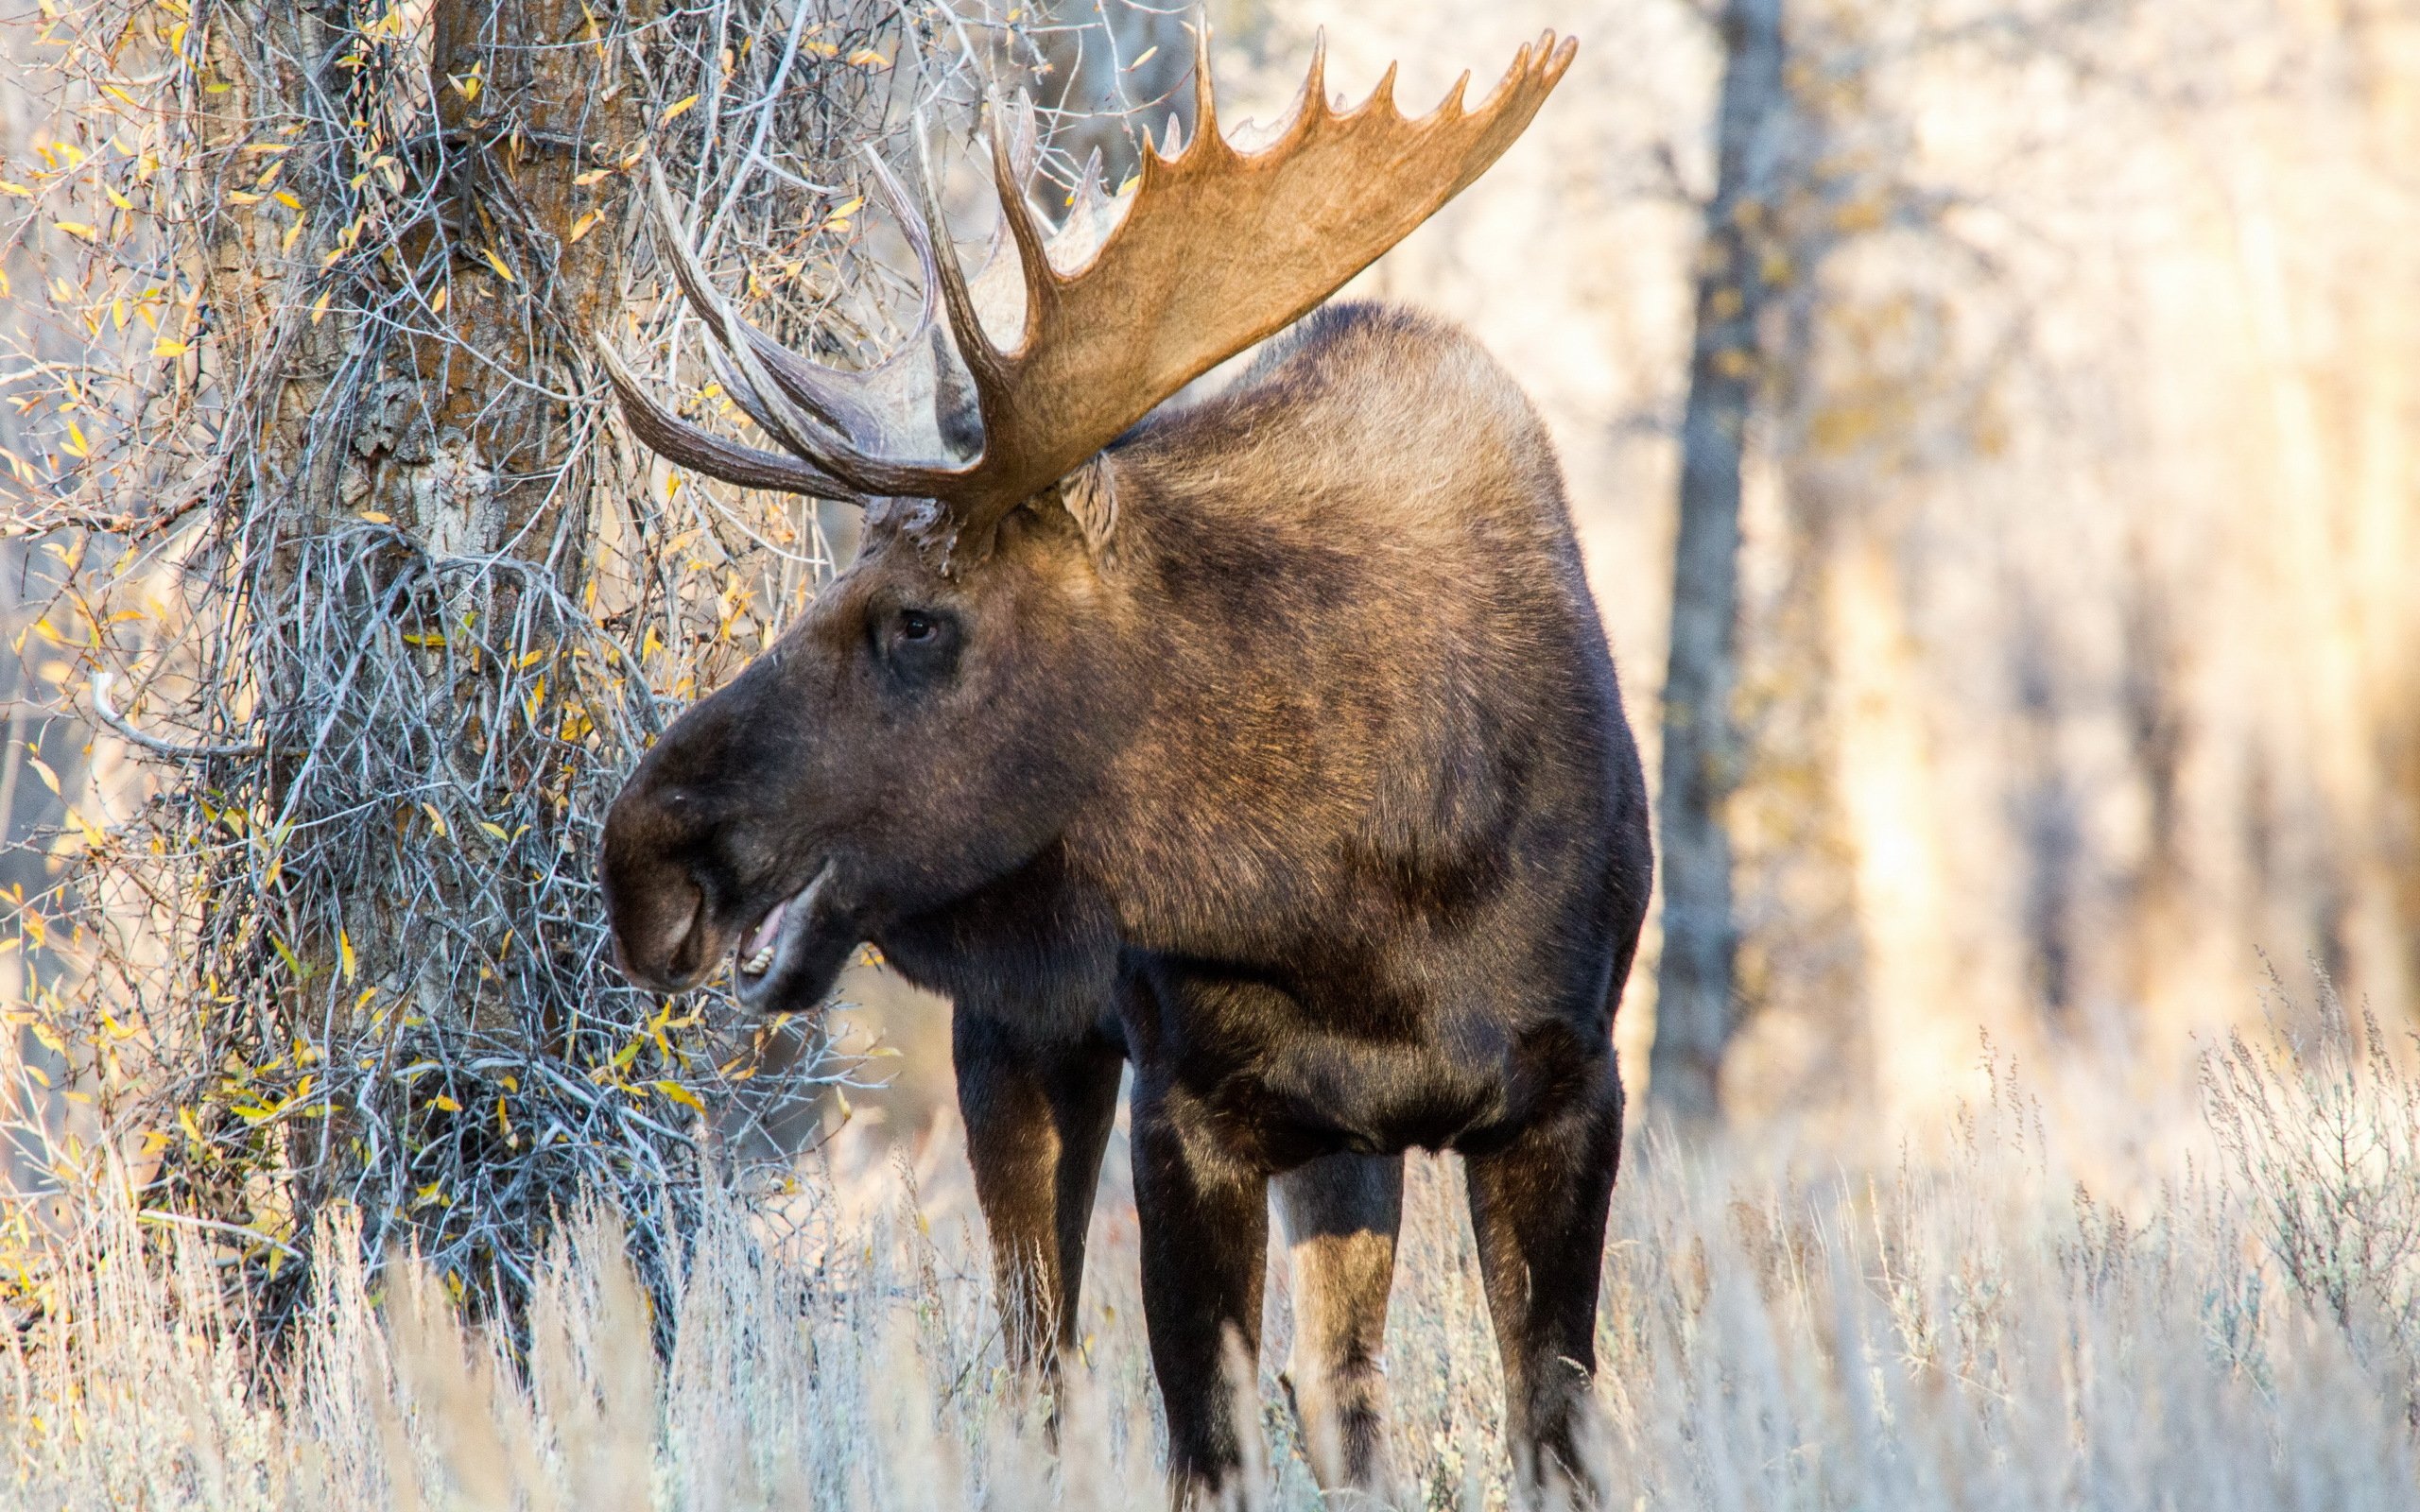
[(1280, 1086), (1322, 1099)]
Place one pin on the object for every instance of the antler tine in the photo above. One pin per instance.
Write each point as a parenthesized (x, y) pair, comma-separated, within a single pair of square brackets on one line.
[(919, 241), (830, 394), (1205, 102), (974, 349), (766, 401), (688, 445), (1089, 185), (1033, 249), (1315, 80)]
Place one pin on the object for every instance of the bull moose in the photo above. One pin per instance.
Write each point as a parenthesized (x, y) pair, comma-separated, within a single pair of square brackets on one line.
[(1269, 742)]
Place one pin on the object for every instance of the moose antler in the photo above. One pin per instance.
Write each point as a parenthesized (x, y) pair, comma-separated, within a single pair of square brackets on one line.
[(1216, 250)]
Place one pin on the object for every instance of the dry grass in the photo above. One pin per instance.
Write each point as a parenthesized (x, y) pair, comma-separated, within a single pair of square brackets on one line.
[(1975, 1330)]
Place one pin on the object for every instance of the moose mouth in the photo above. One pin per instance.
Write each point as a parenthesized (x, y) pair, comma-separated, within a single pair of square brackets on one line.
[(777, 959)]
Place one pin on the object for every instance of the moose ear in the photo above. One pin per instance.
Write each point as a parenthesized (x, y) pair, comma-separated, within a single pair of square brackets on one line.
[(1090, 495)]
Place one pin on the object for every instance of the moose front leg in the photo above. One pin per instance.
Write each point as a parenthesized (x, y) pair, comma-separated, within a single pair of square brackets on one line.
[(1340, 1214), (1204, 1219), (1038, 1111), (1538, 1208)]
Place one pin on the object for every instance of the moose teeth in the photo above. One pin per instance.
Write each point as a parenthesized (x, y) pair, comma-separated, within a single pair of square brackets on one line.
[(758, 964)]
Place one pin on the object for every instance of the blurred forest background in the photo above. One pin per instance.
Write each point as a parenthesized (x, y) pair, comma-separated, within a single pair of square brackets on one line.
[(2072, 345)]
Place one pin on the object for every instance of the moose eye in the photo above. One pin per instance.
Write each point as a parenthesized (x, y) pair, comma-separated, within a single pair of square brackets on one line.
[(919, 645)]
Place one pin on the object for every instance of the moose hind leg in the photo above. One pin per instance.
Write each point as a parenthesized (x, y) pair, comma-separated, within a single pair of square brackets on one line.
[(1205, 1220), (1340, 1214), (1038, 1111), (1538, 1207)]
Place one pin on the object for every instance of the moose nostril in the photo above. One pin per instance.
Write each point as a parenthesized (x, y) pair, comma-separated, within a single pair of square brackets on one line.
[(657, 928), (685, 952)]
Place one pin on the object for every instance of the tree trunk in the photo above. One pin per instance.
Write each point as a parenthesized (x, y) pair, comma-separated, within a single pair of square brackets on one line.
[(1693, 999)]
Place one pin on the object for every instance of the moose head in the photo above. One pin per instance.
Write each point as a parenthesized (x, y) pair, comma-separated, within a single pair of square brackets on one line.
[(953, 703)]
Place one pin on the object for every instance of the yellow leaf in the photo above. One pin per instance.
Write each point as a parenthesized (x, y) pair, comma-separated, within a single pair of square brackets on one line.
[(75, 445), (17, 189), (376, 517), (592, 176), (77, 228), (441, 1100), (497, 262), (245, 197), (584, 225), (319, 305), (868, 58), (115, 198), (437, 301), (283, 198), (165, 348), (496, 830), (679, 1094), (676, 109), (345, 954), (435, 821)]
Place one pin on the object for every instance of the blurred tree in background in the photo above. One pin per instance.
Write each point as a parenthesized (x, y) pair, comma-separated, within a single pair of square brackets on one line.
[(1815, 159)]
